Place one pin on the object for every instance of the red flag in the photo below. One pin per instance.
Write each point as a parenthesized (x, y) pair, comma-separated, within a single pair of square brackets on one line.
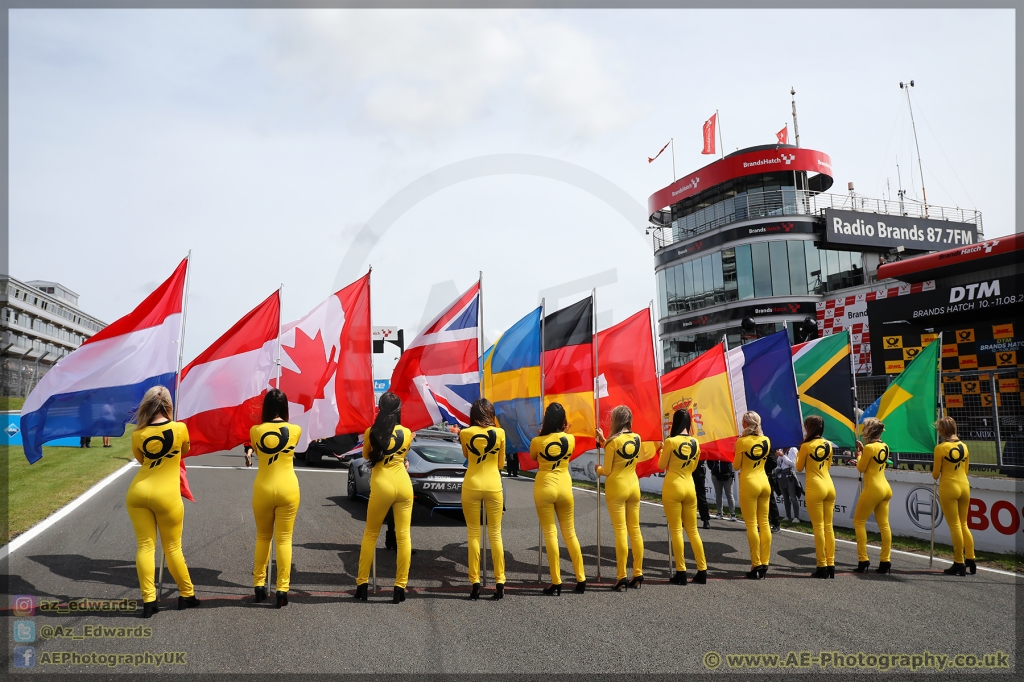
[(186, 492), (783, 134), (221, 392), (625, 355), (650, 159), (709, 134)]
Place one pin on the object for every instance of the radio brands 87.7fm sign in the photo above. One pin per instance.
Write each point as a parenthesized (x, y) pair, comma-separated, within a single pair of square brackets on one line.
[(889, 231)]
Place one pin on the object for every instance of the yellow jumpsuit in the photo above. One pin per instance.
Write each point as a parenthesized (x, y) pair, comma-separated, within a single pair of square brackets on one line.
[(484, 448), (621, 455), (275, 498), (950, 466), (390, 487), (874, 499), (755, 492), (552, 494), (154, 501), (679, 457), (820, 494)]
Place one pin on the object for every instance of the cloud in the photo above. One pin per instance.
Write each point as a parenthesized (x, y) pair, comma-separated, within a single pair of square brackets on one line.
[(431, 71)]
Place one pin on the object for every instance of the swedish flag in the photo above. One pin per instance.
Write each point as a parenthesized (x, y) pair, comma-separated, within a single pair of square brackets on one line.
[(511, 380)]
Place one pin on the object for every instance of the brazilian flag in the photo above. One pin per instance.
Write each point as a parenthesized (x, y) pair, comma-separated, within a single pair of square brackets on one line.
[(824, 380), (908, 406)]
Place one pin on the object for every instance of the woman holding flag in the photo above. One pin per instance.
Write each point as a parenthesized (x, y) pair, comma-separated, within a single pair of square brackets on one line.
[(552, 493), (275, 493), (483, 445), (872, 459), (820, 495), (385, 445), (951, 461), (622, 452), (755, 491), (154, 496), (679, 458)]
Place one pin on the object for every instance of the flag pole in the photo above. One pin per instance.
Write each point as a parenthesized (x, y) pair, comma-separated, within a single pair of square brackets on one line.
[(856, 419), (657, 376), (480, 364), (938, 412), (672, 141), (540, 530), (718, 124), (369, 310), (597, 417), (280, 290)]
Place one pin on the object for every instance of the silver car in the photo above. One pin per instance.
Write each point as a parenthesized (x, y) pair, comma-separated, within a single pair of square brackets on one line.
[(436, 467)]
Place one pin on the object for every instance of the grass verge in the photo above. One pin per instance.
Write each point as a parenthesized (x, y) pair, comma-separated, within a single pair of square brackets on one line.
[(35, 491), (10, 403)]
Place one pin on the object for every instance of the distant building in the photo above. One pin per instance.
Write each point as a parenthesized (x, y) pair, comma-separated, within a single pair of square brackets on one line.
[(39, 324)]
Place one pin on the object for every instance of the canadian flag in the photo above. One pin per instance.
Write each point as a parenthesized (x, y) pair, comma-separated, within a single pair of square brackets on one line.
[(709, 134), (325, 366), (220, 395), (783, 135)]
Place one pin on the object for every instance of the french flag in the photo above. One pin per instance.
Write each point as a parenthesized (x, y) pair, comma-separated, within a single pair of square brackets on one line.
[(221, 393), (95, 390), (438, 376), (762, 381)]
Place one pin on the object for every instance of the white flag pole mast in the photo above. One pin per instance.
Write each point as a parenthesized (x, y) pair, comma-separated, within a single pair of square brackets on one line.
[(369, 310), (277, 362), (540, 530), (718, 124), (480, 361), (597, 416)]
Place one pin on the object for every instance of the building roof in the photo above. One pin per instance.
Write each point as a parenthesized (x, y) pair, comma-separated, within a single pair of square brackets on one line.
[(986, 255)]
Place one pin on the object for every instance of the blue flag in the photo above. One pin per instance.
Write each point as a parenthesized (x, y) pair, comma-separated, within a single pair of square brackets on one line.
[(762, 379), (511, 380)]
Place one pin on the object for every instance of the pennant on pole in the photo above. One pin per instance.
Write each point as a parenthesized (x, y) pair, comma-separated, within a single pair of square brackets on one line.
[(783, 135), (709, 134), (650, 159)]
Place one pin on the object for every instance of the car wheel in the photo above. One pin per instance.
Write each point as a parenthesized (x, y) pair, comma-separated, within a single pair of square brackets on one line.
[(352, 494)]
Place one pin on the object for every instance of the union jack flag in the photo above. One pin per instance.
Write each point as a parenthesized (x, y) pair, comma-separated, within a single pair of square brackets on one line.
[(438, 376)]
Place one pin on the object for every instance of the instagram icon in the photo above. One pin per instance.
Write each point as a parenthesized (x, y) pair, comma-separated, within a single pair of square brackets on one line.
[(24, 604)]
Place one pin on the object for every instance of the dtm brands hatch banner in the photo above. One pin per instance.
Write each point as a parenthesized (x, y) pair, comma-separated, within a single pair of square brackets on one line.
[(889, 231), (996, 516)]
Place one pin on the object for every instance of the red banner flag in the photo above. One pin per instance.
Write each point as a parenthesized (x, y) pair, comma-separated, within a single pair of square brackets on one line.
[(650, 159), (709, 134), (783, 135)]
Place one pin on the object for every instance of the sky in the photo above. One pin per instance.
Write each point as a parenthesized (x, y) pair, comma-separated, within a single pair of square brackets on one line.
[(263, 140)]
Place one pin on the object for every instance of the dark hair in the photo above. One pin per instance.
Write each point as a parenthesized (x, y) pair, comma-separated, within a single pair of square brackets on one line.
[(680, 422), (554, 419), (389, 415), (815, 427), (275, 404), (481, 413)]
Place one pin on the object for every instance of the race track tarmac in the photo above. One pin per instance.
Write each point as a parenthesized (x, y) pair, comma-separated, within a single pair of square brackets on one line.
[(661, 628)]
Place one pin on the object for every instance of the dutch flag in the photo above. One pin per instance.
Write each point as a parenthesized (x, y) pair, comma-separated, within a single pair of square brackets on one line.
[(95, 390)]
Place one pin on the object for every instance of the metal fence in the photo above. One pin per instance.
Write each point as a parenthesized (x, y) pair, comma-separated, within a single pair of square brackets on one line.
[(987, 408)]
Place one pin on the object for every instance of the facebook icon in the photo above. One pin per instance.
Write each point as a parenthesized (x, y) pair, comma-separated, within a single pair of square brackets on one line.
[(24, 657)]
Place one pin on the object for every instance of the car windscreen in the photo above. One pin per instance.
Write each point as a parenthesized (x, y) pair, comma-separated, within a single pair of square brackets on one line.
[(440, 454)]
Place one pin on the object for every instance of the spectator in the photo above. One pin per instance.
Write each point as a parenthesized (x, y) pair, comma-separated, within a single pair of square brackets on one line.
[(512, 464), (722, 477), (785, 475), (770, 464), (699, 483)]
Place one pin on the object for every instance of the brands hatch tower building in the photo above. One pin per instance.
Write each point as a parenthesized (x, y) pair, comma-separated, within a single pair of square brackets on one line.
[(755, 236)]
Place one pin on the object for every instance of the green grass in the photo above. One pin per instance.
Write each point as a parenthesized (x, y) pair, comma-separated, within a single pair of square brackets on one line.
[(8, 403), (1007, 562), (36, 491)]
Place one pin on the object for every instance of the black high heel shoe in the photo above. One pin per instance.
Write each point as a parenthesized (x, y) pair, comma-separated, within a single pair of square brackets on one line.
[(475, 592), (637, 582), (956, 569), (762, 571), (862, 567), (884, 567), (149, 608), (499, 591), (820, 572), (754, 573), (701, 578), (399, 595), (554, 589), (679, 578), (261, 593), (971, 566), (831, 572), (621, 585), (581, 587), (188, 603), (362, 592), (282, 599)]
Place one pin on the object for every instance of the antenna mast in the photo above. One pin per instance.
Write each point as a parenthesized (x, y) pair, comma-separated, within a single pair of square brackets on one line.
[(796, 128), (924, 196)]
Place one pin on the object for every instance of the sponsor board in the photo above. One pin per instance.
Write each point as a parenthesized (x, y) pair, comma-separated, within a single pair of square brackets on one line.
[(854, 228)]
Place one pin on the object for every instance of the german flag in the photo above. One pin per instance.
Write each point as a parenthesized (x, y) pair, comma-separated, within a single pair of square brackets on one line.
[(569, 368)]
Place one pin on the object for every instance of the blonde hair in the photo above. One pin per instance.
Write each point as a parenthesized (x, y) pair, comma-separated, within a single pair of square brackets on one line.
[(751, 422), (156, 400), (872, 428), (622, 420), (946, 428)]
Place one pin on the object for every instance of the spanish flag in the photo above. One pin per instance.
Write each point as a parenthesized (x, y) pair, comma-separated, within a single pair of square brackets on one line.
[(701, 386), (569, 368)]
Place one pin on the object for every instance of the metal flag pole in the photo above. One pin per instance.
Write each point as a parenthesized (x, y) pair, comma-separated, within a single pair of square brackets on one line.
[(369, 313), (718, 124), (856, 419), (483, 546), (375, 562), (657, 375), (277, 376), (270, 563), (938, 412), (672, 141), (480, 336), (540, 530), (160, 577), (597, 416)]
